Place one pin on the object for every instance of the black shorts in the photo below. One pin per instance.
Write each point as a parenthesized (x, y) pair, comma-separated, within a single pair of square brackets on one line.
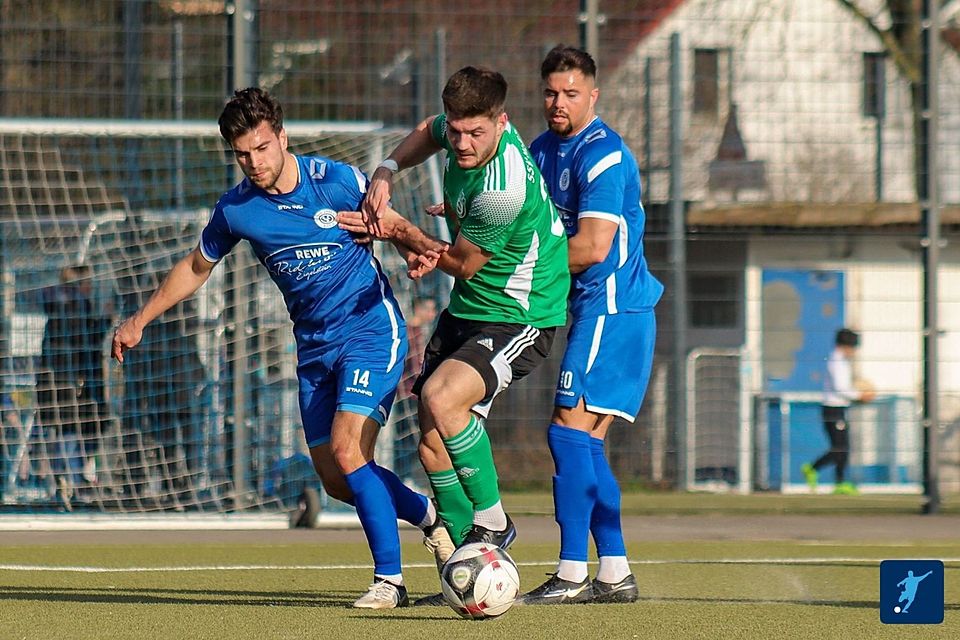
[(500, 352), (835, 417)]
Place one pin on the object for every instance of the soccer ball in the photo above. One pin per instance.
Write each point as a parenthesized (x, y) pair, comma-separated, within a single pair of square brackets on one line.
[(480, 581)]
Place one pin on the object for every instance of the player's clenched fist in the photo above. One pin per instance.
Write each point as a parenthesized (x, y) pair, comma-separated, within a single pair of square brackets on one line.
[(127, 336)]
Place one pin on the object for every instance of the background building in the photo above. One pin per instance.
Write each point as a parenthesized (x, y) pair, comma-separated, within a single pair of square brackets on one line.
[(788, 208)]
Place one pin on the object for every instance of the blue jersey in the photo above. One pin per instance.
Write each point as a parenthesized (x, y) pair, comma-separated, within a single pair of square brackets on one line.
[(594, 175), (333, 287)]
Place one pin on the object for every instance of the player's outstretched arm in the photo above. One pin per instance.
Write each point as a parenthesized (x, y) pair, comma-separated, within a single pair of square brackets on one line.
[(393, 227), (181, 282), (420, 250), (461, 260), (412, 150)]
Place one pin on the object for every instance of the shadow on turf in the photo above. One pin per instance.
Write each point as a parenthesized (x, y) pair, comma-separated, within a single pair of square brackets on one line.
[(180, 596), (335, 599)]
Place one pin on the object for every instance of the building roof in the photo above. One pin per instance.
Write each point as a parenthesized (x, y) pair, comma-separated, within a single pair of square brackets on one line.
[(400, 37)]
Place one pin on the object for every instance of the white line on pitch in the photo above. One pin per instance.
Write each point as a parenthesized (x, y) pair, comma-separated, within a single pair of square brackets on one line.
[(351, 567)]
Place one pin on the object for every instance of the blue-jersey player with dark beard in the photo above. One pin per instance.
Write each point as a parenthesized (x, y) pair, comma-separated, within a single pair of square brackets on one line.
[(350, 334), (594, 182)]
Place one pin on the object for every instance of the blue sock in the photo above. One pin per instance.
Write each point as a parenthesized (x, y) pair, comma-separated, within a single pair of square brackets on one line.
[(574, 489), (378, 517), (605, 521), (410, 505)]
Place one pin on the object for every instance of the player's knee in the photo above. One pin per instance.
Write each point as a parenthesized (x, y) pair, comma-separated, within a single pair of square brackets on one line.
[(436, 398), (347, 456)]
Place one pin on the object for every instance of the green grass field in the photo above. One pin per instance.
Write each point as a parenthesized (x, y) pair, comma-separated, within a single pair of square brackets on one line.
[(692, 588)]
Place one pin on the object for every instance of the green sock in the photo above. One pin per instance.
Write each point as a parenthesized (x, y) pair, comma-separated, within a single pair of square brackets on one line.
[(453, 506), (473, 461)]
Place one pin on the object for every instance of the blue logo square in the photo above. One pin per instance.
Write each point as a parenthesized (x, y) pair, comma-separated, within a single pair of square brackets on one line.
[(911, 592)]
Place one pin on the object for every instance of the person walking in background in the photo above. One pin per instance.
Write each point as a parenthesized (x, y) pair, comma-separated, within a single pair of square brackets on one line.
[(839, 392), (594, 182), (58, 381), (350, 334)]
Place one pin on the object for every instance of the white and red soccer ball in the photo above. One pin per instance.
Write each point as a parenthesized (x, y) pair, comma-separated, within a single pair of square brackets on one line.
[(480, 581)]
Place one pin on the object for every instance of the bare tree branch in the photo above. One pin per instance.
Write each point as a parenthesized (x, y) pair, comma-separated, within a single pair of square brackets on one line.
[(904, 57)]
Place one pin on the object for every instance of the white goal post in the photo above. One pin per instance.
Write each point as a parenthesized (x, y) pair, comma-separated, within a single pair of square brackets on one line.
[(204, 417)]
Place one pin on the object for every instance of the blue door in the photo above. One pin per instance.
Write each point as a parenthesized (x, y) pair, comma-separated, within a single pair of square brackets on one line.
[(801, 312)]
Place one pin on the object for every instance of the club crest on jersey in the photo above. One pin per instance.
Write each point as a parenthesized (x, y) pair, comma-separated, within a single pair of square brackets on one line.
[(565, 179), (325, 218), (461, 205)]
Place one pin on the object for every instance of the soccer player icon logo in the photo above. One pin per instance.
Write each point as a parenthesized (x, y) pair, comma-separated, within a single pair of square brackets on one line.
[(911, 591), (909, 584)]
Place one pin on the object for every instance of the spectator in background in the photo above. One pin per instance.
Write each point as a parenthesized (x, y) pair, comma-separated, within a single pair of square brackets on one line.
[(839, 392), (70, 385), (92, 407), (90, 343), (10, 434)]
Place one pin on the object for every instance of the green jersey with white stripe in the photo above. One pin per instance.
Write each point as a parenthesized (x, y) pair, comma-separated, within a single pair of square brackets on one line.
[(503, 207)]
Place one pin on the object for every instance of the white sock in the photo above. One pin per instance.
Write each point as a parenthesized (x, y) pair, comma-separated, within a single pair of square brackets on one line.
[(393, 578), (613, 569), (572, 570), (429, 516), (492, 518)]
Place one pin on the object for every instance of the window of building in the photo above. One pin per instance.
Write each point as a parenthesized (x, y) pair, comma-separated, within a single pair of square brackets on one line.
[(714, 300), (706, 81), (874, 84)]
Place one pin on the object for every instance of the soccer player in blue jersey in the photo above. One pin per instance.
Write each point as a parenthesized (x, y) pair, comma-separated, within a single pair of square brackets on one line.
[(350, 335), (595, 184)]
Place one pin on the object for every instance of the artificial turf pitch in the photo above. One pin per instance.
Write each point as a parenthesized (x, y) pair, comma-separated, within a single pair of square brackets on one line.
[(135, 585)]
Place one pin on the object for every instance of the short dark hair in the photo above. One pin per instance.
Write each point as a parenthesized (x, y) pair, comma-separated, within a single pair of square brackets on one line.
[(847, 338), (565, 58), (474, 91), (246, 110)]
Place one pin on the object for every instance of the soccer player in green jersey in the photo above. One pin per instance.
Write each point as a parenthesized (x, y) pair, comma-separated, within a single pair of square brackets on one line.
[(509, 261)]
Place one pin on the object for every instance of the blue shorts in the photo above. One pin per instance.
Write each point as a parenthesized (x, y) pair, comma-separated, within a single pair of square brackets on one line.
[(607, 363), (360, 376)]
